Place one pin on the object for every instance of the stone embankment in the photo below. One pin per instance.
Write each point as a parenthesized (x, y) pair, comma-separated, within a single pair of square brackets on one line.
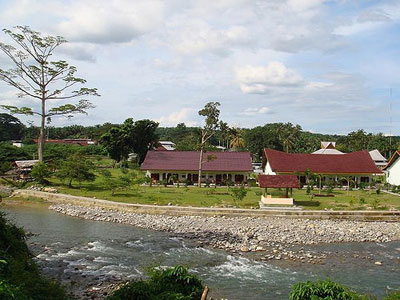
[(271, 237)]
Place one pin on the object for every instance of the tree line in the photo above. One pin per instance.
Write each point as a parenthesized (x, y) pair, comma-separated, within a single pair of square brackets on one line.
[(280, 136)]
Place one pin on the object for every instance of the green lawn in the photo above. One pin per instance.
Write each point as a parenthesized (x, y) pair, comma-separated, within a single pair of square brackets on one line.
[(220, 197)]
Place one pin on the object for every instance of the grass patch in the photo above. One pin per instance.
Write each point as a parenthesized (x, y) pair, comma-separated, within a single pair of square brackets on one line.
[(220, 196)]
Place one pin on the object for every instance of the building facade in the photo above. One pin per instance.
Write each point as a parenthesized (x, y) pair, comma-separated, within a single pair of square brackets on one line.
[(217, 167), (392, 169), (357, 166)]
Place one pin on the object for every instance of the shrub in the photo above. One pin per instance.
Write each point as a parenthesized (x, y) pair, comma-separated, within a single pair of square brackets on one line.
[(323, 289), (77, 168), (20, 277), (375, 203), (40, 172), (362, 200), (378, 191), (392, 296), (171, 284), (238, 193), (308, 191)]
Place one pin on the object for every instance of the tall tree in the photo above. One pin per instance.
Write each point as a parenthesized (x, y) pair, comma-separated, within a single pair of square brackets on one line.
[(118, 140), (211, 113), (144, 138), (36, 76), (136, 137), (237, 141)]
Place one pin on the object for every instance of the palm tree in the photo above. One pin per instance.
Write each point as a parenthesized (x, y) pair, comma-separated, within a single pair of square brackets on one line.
[(237, 141)]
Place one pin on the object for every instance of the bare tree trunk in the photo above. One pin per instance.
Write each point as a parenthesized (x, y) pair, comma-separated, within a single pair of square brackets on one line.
[(205, 292), (41, 136), (200, 167)]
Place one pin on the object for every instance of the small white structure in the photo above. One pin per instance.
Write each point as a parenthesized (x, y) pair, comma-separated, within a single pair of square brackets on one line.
[(17, 143), (328, 148), (378, 158), (166, 145), (392, 169)]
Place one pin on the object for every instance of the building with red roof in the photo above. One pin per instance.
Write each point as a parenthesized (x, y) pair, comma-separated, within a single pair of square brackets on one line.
[(217, 167), (80, 142), (392, 169), (333, 166)]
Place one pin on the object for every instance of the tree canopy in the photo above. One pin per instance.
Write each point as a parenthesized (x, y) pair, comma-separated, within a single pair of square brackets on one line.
[(36, 76)]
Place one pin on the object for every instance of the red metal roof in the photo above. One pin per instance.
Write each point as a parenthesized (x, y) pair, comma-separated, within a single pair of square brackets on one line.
[(394, 157), (278, 181), (359, 162), (189, 161), (81, 142)]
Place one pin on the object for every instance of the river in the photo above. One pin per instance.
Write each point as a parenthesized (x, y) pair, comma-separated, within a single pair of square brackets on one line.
[(83, 253)]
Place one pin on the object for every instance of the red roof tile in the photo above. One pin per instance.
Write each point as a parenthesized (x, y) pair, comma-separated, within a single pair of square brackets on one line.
[(189, 161), (278, 181), (359, 162)]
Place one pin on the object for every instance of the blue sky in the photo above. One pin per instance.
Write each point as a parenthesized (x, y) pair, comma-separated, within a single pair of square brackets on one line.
[(326, 65)]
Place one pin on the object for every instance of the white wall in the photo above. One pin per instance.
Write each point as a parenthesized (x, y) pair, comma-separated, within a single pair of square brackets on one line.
[(394, 173), (268, 169)]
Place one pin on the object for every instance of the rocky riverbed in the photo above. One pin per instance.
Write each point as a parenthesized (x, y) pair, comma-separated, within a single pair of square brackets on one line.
[(270, 238)]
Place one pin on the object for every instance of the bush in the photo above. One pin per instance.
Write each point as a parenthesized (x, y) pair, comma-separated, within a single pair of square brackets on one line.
[(238, 193), (20, 277), (40, 172), (323, 289), (392, 296), (170, 284)]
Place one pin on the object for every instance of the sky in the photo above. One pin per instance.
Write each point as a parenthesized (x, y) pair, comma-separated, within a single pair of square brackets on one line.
[(326, 65)]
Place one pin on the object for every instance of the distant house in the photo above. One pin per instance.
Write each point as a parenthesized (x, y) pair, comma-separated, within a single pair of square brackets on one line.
[(80, 142), (392, 169), (218, 167), (17, 143), (328, 148), (22, 169), (165, 146), (378, 158), (331, 167)]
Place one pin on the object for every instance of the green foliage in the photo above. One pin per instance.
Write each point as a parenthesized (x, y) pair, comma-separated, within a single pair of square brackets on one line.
[(362, 200), (323, 290), (138, 137), (378, 191), (238, 193), (76, 168), (40, 172), (392, 296), (35, 76), (10, 128), (171, 284), (19, 276), (375, 203), (308, 190), (10, 153), (115, 184)]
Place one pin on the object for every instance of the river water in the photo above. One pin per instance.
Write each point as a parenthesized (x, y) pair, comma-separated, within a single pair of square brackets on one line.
[(81, 252)]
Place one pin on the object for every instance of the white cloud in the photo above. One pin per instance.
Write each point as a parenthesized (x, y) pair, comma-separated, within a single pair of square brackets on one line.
[(184, 115), (110, 21), (261, 79), (252, 111), (199, 37), (77, 51)]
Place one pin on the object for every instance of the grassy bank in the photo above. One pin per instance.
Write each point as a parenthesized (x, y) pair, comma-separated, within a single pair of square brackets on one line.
[(221, 197)]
